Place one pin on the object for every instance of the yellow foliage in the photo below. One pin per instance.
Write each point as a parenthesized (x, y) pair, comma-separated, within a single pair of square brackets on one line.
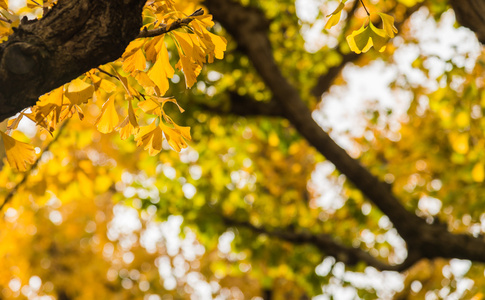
[(478, 172), (161, 70), (360, 41), (108, 119), (150, 138), (79, 92), (335, 16), (460, 142), (19, 154)]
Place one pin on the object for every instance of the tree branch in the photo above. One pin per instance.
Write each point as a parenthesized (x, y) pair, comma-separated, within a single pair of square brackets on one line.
[(324, 242), (72, 38), (249, 28), (164, 28)]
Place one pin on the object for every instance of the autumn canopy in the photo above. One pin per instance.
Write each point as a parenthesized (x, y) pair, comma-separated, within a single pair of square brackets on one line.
[(240, 149)]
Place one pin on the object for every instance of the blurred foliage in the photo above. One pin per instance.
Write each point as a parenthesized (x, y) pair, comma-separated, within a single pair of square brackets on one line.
[(98, 217)]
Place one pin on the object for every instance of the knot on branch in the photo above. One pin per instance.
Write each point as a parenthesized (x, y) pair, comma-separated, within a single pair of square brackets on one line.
[(20, 58)]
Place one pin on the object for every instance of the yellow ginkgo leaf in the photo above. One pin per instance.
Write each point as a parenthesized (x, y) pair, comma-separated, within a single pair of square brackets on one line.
[(360, 41), (220, 44), (126, 129), (18, 154), (478, 172), (108, 119), (103, 84), (335, 16), (79, 92), (132, 115), (174, 138), (162, 69), (135, 62), (388, 24), (191, 70), (150, 137), (151, 106), (184, 131), (4, 4)]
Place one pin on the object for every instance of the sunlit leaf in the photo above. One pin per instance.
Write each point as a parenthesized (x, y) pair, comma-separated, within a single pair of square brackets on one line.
[(150, 138), (78, 92), (19, 154), (360, 41), (335, 16), (108, 119), (388, 24)]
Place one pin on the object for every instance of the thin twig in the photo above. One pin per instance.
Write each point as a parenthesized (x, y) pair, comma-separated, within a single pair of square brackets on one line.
[(5, 20), (106, 73), (164, 28), (12, 192), (362, 1)]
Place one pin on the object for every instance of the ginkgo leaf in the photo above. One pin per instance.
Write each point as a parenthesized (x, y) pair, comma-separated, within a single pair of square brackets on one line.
[(184, 131), (12, 124), (162, 69), (360, 41), (79, 92), (19, 154), (128, 88), (220, 44), (150, 137), (108, 119), (126, 128), (164, 100), (132, 115), (135, 62), (174, 138), (388, 24), (4, 4), (150, 106), (335, 16), (100, 83), (191, 70)]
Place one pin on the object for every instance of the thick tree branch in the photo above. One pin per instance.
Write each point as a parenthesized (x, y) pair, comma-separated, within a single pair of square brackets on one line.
[(324, 242), (72, 38), (249, 28)]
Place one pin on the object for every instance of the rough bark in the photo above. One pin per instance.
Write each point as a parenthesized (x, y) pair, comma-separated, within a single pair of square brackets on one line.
[(72, 38)]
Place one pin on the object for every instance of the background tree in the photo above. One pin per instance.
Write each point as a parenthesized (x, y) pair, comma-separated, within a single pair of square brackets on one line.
[(246, 179)]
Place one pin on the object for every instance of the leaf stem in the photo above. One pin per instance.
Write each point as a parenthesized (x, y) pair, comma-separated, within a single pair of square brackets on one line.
[(362, 1)]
